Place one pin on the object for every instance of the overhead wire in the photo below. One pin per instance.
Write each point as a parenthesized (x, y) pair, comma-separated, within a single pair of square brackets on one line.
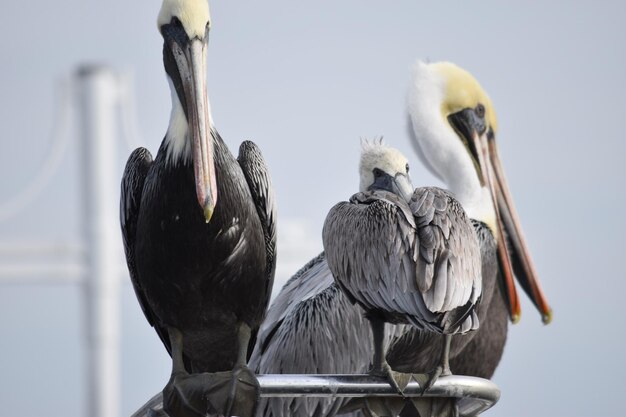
[(60, 139), (127, 110)]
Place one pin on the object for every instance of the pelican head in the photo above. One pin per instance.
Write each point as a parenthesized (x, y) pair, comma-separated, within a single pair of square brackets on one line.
[(384, 168), (185, 26), (454, 126)]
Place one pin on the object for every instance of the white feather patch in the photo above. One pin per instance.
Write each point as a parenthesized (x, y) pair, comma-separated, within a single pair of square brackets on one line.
[(177, 142)]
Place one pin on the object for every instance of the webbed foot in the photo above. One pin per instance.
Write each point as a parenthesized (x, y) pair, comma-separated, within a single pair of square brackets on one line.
[(243, 394), (224, 393)]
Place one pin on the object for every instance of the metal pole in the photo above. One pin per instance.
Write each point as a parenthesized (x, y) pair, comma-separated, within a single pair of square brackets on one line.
[(98, 89)]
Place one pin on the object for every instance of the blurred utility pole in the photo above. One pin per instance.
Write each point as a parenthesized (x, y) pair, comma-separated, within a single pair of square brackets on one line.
[(97, 95)]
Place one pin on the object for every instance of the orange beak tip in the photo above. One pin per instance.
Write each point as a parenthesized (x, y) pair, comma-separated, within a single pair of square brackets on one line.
[(547, 317), (515, 318)]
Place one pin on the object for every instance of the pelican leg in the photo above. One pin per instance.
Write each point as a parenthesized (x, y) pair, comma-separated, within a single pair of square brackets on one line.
[(380, 367), (183, 394), (379, 364), (445, 356), (176, 343), (243, 338), (443, 369), (244, 386)]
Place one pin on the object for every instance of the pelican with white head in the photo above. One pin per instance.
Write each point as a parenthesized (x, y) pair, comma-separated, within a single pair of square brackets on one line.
[(454, 126), (384, 168)]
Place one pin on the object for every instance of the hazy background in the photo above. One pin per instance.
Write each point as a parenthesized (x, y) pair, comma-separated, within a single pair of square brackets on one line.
[(306, 80)]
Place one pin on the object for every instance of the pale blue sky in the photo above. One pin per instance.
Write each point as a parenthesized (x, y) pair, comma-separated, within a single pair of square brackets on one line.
[(306, 80)]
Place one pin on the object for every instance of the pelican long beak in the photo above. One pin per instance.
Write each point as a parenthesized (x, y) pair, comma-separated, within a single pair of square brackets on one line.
[(480, 149), (190, 58), (513, 255), (514, 242)]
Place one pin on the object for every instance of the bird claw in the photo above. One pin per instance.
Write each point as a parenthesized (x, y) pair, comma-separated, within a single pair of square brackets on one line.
[(428, 380), (397, 380)]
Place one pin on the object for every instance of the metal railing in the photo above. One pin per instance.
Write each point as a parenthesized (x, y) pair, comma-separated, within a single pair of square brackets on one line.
[(475, 395)]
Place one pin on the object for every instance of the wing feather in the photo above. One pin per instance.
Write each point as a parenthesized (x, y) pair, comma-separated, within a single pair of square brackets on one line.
[(133, 179), (260, 184), (447, 238), (258, 178)]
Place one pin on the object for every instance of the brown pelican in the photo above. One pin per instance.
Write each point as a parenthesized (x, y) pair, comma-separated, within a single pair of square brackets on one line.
[(198, 224), (433, 106), (405, 256), (456, 140)]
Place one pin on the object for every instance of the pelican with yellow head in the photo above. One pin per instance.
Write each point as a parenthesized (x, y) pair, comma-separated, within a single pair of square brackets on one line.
[(454, 130)]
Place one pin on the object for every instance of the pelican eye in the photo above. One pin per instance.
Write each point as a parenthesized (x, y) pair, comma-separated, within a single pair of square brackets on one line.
[(480, 110), (176, 22), (378, 173), (407, 167)]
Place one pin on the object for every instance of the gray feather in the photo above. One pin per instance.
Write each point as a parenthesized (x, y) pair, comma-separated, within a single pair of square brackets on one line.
[(312, 327), (413, 261)]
